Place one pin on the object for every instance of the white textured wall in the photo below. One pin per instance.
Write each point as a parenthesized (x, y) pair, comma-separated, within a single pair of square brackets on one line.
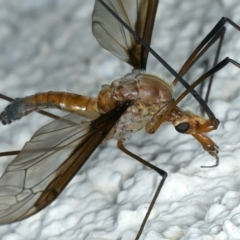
[(48, 45)]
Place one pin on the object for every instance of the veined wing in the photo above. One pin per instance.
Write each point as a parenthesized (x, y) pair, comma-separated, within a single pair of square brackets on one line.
[(49, 161), (111, 35)]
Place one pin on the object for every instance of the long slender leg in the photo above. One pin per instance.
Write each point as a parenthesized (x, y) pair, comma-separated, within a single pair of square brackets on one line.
[(10, 153), (219, 36), (193, 59), (209, 73), (205, 44), (218, 32), (158, 170)]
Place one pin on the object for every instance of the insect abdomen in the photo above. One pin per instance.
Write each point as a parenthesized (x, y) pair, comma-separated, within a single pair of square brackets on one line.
[(62, 100)]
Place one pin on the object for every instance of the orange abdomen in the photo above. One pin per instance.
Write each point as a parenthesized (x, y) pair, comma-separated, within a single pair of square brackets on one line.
[(62, 100)]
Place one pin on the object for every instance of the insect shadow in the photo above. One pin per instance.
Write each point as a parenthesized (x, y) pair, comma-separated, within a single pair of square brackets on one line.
[(139, 100)]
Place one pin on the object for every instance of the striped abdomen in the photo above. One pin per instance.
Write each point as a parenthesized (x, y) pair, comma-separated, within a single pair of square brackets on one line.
[(62, 100)]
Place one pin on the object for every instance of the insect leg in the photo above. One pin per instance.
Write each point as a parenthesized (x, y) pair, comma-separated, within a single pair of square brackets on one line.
[(218, 32), (209, 73), (194, 57), (158, 170), (212, 36), (4, 154), (219, 35), (191, 61)]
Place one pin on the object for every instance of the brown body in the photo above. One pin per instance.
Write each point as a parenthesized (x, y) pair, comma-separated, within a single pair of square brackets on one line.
[(151, 97)]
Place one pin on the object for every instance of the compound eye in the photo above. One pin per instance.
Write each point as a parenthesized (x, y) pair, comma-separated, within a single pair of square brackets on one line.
[(182, 127)]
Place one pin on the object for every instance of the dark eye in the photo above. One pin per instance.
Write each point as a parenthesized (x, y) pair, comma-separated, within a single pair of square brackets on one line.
[(182, 127)]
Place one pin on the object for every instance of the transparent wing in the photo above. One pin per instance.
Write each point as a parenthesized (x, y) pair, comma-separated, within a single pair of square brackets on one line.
[(49, 161), (111, 35)]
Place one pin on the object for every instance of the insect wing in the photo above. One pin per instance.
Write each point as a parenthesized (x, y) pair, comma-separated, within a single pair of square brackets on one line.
[(111, 35), (49, 161)]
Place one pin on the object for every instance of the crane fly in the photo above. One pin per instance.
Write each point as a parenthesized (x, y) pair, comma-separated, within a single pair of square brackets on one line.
[(139, 100)]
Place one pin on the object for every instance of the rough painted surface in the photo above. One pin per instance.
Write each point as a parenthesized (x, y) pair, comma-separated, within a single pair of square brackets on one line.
[(48, 45)]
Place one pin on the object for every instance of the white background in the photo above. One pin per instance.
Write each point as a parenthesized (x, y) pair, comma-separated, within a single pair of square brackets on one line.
[(48, 45)]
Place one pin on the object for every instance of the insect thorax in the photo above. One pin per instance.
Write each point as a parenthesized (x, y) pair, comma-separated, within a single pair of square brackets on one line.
[(150, 94)]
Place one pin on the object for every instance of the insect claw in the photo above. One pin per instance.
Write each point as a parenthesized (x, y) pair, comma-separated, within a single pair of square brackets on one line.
[(216, 122), (213, 151)]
